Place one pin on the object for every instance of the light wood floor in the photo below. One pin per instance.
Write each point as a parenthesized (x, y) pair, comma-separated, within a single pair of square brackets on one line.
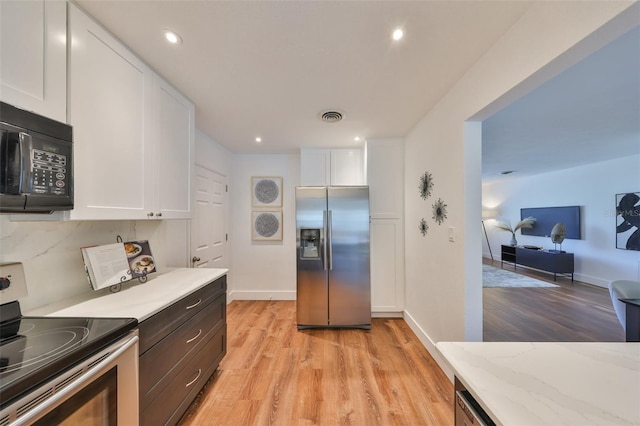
[(274, 374), (572, 312)]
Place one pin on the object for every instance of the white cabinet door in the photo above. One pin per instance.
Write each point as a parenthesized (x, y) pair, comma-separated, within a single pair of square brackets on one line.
[(33, 62), (346, 167), (110, 109), (319, 167), (315, 167), (173, 147)]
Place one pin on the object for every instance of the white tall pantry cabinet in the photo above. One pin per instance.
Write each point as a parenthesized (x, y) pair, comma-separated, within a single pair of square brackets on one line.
[(33, 67), (133, 133), (385, 177)]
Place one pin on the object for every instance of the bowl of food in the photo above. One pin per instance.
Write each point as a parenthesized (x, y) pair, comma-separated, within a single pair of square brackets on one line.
[(143, 264), (132, 249)]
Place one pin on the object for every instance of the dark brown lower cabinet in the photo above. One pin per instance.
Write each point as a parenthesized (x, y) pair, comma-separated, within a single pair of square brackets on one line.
[(180, 348)]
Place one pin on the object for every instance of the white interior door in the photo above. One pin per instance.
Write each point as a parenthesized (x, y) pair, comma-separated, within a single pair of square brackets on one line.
[(209, 224)]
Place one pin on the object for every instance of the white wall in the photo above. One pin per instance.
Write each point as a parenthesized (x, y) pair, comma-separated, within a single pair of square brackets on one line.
[(439, 272), (263, 270), (50, 252), (593, 187), (212, 155)]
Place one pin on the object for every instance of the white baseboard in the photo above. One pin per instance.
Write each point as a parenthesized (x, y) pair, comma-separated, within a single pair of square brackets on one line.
[(386, 314), (261, 295), (429, 344), (599, 282)]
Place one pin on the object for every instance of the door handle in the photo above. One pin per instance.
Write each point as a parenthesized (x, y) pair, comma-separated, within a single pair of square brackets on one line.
[(323, 238), (330, 237), (25, 147)]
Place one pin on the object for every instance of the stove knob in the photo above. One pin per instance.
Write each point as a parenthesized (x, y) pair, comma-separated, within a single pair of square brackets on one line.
[(5, 282)]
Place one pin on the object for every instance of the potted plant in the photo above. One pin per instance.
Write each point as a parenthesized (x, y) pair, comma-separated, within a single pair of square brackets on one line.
[(524, 223)]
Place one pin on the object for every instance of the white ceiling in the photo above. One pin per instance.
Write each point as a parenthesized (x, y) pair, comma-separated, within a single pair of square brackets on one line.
[(588, 113), (269, 68)]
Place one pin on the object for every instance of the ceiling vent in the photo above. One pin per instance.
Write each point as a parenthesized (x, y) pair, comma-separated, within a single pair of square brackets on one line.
[(331, 116)]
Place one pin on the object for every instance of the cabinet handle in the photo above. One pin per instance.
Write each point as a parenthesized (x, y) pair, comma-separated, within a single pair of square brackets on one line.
[(195, 337), (195, 259), (150, 214), (159, 215), (194, 380), (195, 304)]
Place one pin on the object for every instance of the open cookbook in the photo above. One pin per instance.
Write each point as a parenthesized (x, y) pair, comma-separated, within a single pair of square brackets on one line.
[(111, 264)]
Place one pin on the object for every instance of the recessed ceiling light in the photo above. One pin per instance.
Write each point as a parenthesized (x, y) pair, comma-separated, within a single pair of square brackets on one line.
[(357, 138), (258, 139), (397, 34), (172, 37)]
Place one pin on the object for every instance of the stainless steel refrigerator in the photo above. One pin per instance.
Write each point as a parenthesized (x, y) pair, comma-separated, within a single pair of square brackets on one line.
[(332, 256)]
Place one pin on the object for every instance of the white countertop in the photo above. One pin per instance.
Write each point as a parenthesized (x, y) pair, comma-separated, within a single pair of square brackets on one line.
[(550, 383), (139, 301)]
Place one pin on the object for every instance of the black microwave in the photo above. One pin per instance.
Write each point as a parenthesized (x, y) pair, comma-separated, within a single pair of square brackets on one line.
[(36, 162)]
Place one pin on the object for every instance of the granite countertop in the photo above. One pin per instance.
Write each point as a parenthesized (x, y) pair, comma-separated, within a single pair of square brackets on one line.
[(544, 383), (136, 300)]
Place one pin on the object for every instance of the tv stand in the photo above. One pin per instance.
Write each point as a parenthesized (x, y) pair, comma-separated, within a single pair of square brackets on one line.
[(545, 260)]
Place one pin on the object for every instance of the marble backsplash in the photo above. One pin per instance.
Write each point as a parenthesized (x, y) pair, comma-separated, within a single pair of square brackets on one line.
[(50, 251)]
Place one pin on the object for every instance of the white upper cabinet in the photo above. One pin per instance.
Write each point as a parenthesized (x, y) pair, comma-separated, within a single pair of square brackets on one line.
[(133, 133), (110, 109), (346, 167), (320, 167), (33, 48), (175, 140)]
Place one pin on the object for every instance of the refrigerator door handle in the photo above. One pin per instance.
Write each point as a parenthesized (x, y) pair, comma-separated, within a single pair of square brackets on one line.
[(330, 240), (324, 240)]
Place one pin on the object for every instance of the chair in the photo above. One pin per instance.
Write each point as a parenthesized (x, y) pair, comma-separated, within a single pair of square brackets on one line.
[(623, 289)]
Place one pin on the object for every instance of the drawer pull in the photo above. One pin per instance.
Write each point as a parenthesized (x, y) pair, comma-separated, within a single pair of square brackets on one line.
[(194, 305), (194, 380), (195, 337)]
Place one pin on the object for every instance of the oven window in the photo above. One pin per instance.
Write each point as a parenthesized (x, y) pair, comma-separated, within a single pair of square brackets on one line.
[(95, 404)]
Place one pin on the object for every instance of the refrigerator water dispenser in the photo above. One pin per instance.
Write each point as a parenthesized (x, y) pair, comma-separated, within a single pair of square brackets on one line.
[(309, 243)]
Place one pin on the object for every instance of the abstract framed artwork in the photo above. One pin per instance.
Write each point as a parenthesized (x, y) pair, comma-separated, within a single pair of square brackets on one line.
[(266, 225), (266, 191), (628, 221)]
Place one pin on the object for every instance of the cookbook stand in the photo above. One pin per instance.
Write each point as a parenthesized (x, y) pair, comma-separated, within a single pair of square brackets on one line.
[(117, 287)]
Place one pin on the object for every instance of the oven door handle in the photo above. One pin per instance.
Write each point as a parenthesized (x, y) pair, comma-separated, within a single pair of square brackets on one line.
[(71, 389)]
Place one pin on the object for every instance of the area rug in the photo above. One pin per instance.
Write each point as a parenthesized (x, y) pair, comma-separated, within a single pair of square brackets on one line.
[(497, 277)]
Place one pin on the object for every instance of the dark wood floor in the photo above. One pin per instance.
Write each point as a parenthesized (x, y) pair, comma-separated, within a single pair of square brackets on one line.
[(573, 312)]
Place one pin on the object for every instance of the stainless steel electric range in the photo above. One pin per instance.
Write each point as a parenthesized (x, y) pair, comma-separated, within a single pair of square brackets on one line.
[(52, 369)]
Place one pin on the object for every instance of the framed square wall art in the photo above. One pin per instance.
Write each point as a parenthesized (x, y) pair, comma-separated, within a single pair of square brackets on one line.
[(266, 191), (628, 221), (266, 225)]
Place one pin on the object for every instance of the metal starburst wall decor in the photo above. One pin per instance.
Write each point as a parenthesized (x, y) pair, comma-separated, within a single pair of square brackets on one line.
[(439, 211), (423, 227), (426, 185)]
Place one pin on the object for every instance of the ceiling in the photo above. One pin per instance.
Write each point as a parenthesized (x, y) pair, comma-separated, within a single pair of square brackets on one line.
[(270, 68), (588, 113)]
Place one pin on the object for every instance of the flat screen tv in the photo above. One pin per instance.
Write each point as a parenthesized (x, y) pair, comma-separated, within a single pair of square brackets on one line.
[(547, 217)]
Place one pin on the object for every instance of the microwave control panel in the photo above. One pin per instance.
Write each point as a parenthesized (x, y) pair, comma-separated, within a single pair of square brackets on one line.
[(49, 173)]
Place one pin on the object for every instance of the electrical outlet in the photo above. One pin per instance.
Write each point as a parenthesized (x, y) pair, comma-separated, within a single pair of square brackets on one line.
[(452, 234)]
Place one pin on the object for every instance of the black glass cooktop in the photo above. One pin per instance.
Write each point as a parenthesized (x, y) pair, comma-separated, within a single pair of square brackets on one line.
[(35, 349)]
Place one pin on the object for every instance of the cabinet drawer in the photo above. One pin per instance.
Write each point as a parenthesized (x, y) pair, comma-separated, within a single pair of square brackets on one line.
[(173, 401), (154, 329), (159, 364)]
